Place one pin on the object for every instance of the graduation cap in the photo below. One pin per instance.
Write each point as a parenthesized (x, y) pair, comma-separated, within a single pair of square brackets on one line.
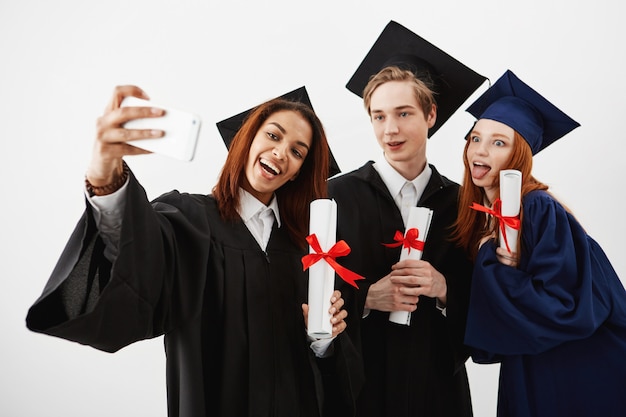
[(514, 103), (229, 127), (451, 81)]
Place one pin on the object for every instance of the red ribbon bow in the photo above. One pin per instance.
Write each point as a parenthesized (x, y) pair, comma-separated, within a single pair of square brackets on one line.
[(340, 248), (512, 221), (407, 241)]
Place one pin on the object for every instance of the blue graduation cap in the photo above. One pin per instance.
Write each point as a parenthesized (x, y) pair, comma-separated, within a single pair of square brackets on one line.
[(451, 81), (514, 103), (230, 126)]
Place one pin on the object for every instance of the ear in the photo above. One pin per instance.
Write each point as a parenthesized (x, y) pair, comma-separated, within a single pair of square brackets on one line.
[(432, 116)]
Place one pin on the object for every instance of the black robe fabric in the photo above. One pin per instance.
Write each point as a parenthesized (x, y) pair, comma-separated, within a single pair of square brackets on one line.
[(231, 315), (416, 370)]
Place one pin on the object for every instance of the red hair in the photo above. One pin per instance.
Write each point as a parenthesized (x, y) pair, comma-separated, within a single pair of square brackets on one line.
[(470, 226), (294, 197)]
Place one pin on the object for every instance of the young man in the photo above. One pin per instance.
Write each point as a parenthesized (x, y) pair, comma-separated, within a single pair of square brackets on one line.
[(414, 369)]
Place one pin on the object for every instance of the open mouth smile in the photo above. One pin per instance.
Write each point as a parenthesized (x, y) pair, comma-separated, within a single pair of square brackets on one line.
[(269, 166)]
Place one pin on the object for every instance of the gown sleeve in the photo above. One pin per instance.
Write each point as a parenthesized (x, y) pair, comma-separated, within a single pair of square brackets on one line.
[(558, 293), (155, 282)]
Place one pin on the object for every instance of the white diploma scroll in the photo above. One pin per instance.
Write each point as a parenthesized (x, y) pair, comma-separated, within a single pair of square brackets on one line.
[(510, 195), (322, 223), (419, 218)]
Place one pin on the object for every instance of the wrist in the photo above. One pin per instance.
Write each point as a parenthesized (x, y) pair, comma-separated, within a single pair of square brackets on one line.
[(110, 187)]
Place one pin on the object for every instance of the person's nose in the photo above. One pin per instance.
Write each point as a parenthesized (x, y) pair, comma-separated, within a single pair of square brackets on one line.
[(279, 150), (481, 148), (391, 127)]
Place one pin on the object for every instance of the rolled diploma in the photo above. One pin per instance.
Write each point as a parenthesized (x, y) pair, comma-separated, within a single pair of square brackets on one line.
[(510, 195), (322, 223), (419, 218)]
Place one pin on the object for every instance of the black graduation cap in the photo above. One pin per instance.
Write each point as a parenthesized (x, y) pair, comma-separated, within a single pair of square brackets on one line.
[(452, 81), (514, 103), (229, 127)]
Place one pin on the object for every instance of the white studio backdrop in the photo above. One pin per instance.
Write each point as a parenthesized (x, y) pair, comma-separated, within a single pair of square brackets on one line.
[(60, 61)]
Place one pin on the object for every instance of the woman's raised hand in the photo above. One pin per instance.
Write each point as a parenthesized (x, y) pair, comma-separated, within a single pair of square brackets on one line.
[(110, 145)]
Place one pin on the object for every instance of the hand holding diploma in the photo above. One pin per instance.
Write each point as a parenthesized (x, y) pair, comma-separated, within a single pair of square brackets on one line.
[(510, 194), (322, 266), (412, 247), (506, 209)]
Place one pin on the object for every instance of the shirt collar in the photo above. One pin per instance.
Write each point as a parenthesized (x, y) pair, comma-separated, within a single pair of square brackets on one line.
[(394, 181), (249, 206)]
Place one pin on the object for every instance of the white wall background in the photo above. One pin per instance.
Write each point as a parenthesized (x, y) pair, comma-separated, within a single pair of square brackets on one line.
[(61, 59)]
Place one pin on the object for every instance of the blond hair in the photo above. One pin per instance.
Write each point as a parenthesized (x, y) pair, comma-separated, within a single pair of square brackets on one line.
[(424, 95)]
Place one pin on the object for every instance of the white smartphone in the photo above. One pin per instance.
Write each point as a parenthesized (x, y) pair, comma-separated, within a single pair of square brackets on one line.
[(181, 130)]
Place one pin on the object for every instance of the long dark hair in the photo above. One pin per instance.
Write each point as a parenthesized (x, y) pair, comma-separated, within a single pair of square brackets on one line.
[(294, 197)]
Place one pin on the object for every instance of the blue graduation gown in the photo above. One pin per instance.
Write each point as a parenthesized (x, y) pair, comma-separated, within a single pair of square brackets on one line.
[(556, 324)]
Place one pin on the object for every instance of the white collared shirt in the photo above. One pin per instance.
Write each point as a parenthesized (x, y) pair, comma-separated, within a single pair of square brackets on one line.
[(394, 180), (107, 213), (252, 212)]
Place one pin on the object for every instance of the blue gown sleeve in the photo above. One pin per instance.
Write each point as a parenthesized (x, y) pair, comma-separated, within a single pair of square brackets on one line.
[(559, 292)]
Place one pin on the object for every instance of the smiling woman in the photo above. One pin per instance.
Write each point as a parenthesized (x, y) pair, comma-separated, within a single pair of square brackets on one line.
[(277, 153), (218, 275), (60, 60)]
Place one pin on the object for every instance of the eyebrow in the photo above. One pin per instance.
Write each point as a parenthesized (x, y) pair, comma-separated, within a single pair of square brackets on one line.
[(282, 129), (494, 135), (403, 107)]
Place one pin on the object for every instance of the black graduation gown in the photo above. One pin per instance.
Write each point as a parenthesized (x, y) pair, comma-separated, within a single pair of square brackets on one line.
[(231, 313), (416, 370)]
